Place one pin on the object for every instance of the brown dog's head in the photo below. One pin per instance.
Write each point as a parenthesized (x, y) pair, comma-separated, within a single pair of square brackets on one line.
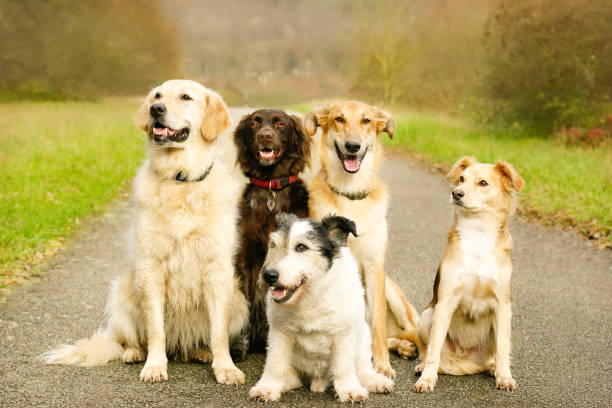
[(350, 128), (270, 143)]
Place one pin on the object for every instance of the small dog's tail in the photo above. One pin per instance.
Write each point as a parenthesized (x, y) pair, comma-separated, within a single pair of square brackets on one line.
[(97, 350)]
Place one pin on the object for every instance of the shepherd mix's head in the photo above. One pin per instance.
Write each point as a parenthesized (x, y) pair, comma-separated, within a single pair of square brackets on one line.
[(350, 129), (477, 187), (175, 111), (300, 251)]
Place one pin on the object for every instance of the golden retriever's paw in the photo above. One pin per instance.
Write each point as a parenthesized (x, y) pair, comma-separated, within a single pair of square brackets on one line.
[(352, 395), (229, 375), (385, 369), (425, 384), (418, 370), (154, 373), (379, 383), (505, 383), (133, 355), (406, 349), (265, 393), (319, 385)]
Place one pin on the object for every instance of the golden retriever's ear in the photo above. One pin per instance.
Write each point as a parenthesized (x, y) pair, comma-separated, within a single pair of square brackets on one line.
[(511, 180), (458, 168), (142, 116), (216, 117), (315, 118), (385, 122)]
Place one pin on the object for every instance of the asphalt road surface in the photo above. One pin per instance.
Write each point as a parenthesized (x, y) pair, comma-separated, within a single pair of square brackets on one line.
[(561, 330)]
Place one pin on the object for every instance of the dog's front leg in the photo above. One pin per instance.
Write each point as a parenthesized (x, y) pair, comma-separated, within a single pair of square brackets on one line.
[(278, 374), (503, 322), (377, 303), (217, 303), (443, 312), (153, 303), (344, 369)]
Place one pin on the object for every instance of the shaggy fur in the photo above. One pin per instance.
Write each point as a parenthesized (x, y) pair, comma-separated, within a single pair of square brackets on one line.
[(466, 327), (316, 311), (348, 185), (182, 298), (288, 153)]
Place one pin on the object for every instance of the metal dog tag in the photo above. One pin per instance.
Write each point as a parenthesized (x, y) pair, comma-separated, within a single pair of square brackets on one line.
[(270, 202)]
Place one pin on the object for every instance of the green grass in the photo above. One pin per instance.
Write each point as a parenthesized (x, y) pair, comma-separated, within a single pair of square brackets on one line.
[(60, 162)]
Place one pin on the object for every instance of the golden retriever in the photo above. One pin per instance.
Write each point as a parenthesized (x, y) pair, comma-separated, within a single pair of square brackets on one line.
[(466, 327), (348, 185), (182, 298)]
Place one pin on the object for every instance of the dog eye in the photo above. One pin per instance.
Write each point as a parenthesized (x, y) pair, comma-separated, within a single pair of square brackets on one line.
[(157, 96), (461, 179), (340, 119), (300, 248), (365, 121), (279, 125), (483, 183), (254, 125), (186, 97)]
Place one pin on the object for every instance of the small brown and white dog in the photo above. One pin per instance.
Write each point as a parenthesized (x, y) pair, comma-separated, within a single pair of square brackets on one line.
[(466, 327), (182, 298), (348, 185)]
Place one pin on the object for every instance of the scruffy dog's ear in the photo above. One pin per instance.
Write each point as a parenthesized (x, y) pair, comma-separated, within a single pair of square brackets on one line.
[(315, 118), (302, 145), (511, 180), (241, 134), (216, 117), (459, 167), (142, 116), (339, 228), (385, 122)]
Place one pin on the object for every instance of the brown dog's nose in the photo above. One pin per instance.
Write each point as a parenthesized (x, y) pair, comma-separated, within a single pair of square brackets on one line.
[(157, 109), (458, 194), (352, 147)]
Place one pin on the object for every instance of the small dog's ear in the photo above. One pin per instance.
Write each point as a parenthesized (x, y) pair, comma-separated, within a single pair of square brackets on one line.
[(339, 228), (302, 144), (315, 118), (385, 122), (458, 168), (142, 116), (216, 117), (511, 180)]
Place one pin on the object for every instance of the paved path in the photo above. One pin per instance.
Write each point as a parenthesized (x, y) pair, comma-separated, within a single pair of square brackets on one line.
[(561, 334)]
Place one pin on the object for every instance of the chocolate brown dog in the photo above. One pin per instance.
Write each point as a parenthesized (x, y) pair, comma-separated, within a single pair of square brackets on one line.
[(272, 149)]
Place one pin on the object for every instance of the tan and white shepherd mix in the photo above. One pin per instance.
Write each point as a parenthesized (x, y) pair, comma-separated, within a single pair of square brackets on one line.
[(316, 312), (466, 327), (182, 298), (348, 184)]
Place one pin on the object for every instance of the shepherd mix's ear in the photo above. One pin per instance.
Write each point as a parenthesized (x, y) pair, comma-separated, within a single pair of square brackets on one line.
[(315, 118), (458, 168), (216, 116), (511, 180), (339, 228), (142, 116), (385, 122)]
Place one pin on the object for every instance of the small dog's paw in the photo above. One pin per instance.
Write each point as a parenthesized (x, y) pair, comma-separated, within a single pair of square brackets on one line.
[(505, 383), (153, 373), (380, 384), (352, 395), (229, 375), (264, 393), (424, 384), (319, 385), (132, 355), (385, 369), (406, 349), (418, 370)]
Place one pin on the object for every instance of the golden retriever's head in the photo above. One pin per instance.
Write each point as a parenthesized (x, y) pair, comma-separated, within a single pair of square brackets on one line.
[(477, 186), (176, 109), (350, 128)]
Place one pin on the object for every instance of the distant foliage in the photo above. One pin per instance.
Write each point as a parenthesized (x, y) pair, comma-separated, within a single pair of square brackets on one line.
[(83, 49)]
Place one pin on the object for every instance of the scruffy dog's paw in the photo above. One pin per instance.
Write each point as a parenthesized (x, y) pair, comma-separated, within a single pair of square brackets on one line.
[(154, 373), (132, 355), (229, 375), (425, 384), (352, 395), (385, 369), (505, 383), (406, 349), (319, 385), (265, 393), (418, 370)]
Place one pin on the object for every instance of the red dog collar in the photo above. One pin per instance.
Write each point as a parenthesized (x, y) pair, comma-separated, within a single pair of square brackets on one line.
[(275, 184)]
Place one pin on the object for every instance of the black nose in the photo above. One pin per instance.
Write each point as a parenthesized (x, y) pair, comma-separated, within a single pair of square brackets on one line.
[(352, 147), (266, 134), (457, 194), (270, 276), (157, 109)]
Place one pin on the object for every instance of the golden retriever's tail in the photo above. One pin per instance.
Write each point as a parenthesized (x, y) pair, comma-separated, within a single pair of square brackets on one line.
[(99, 349)]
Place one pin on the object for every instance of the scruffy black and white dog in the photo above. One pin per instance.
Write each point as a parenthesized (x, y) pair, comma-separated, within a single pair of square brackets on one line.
[(316, 312)]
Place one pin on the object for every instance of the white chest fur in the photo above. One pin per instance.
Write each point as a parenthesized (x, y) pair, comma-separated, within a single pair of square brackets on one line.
[(477, 243)]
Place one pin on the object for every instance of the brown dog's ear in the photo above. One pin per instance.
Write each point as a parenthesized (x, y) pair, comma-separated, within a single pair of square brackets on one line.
[(142, 116), (241, 132), (458, 168), (385, 122), (216, 117), (302, 144), (511, 180), (315, 118)]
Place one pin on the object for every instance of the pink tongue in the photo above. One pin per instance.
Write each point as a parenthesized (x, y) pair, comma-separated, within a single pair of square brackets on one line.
[(351, 164), (163, 131), (278, 293), (266, 155)]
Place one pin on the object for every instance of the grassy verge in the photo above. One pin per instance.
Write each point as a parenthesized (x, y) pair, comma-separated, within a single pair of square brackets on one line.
[(60, 162)]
